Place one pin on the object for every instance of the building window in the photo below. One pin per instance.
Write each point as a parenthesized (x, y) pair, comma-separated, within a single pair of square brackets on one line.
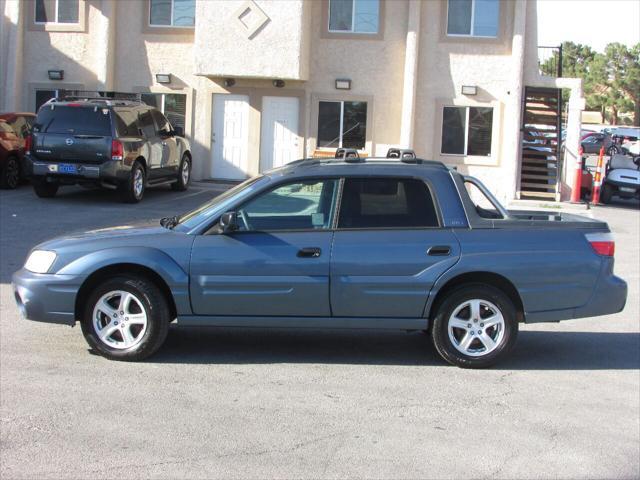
[(172, 13), (173, 105), (467, 130), (57, 11), (354, 16), (342, 125), (474, 18)]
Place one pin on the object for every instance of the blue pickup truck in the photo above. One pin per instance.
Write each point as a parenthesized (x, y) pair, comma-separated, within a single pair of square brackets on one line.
[(376, 244)]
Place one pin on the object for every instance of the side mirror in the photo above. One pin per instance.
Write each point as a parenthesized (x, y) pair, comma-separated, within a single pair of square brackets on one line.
[(228, 222), (178, 131)]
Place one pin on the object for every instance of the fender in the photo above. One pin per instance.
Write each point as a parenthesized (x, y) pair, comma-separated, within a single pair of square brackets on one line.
[(157, 260)]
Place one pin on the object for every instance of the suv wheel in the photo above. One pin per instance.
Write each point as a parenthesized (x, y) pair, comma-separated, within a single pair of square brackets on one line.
[(10, 173), (184, 175), (132, 190), (44, 189), (475, 327), (126, 318)]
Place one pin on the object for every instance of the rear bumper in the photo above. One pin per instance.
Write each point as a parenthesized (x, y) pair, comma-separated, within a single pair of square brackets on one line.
[(111, 170), (46, 297), (609, 296)]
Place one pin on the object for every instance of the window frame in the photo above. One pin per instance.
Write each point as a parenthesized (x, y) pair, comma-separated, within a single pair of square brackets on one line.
[(353, 21), (472, 25), (340, 138), (466, 130), (62, 24), (170, 25)]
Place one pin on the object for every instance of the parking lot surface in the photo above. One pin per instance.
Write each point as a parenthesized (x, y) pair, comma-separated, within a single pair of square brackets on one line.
[(246, 403)]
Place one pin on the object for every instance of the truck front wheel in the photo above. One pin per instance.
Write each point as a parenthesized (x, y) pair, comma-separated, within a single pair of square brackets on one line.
[(475, 326)]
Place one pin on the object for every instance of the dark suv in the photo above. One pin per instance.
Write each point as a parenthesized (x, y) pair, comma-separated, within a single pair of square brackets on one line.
[(117, 144)]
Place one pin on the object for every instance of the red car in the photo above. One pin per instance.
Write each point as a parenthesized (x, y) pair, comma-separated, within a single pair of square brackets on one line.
[(14, 129)]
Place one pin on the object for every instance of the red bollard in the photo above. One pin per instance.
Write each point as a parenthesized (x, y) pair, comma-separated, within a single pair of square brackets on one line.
[(597, 181), (577, 178)]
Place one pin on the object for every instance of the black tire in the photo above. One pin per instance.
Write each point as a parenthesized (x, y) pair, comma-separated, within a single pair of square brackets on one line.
[(155, 307), (44, 189), (10, 173), (181, 185), (504, 340), (606, 193), (613, 150), (130, 190)]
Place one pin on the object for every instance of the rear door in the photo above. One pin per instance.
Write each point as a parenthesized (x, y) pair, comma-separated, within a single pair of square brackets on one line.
[(73, 134), (389, 248), (170, 160), (154, 142)]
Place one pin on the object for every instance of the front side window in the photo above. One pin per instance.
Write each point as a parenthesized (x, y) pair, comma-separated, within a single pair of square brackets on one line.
[(172, 13), (57, 11), (147, 127), (467, 130), (172, 105), (354, 16), (386, 203), (474, 18), (306, 205), (342, 125)]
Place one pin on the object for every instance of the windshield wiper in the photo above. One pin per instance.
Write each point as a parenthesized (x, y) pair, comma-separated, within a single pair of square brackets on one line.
[(170, 222)]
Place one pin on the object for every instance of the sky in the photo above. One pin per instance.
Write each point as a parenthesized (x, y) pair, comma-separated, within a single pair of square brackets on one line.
[(592, 22)]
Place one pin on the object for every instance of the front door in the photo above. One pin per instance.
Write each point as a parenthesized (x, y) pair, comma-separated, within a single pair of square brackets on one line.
[(276, 263), (279, 140), (388, 250), (230, 137)]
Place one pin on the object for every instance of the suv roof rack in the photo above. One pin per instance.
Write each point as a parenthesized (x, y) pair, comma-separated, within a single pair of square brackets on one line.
[(350, 155), (403, 154), (94, 97)]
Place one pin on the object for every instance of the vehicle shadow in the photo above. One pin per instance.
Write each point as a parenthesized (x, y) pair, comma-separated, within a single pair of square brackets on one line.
[(539, 350)]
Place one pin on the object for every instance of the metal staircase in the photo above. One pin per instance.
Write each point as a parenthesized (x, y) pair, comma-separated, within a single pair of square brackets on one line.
[(540, 159)]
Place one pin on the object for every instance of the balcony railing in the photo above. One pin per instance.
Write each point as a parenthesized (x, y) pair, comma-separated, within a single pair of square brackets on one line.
[(550, 61)]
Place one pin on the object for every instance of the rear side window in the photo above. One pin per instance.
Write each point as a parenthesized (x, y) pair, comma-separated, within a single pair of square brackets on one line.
[(146, 124), (386, 203), (126, 123), (74, 120)]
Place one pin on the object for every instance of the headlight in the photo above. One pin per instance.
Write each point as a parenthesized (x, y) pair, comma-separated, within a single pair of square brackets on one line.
[(40, 261)]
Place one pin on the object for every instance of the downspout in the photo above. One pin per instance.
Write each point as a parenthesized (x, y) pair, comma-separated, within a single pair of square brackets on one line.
[(11, 57), (410, 74)]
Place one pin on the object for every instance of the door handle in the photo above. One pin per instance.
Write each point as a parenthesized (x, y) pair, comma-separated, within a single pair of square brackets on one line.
[(439, 250), (164, 144), (309, 252)]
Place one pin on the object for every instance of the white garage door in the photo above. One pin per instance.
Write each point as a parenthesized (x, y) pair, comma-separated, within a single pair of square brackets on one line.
[(279, 141), (230, 140)]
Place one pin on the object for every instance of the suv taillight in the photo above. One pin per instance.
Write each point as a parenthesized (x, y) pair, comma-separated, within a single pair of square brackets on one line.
[(117, 150), (27, 143), (602, 243)]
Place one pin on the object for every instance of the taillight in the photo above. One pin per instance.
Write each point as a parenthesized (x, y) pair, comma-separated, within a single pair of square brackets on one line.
[(602, 243), (27, 143), (117, 150)]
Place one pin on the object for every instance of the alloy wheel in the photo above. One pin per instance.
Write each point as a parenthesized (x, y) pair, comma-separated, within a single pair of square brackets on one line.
[(476, 327), (119, 319), (185, 172)]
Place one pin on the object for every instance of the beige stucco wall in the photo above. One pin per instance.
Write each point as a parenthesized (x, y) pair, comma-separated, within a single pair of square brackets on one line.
[(116, 49)]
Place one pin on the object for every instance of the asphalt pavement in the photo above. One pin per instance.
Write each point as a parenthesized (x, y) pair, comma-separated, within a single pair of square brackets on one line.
[(247, 403)]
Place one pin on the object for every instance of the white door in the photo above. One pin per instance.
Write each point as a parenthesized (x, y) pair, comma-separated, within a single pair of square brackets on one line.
[(230, 137), (279, 141)]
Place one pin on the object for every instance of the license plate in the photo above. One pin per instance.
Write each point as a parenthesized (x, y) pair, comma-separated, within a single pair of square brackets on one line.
[(67, 168), (627, 189)]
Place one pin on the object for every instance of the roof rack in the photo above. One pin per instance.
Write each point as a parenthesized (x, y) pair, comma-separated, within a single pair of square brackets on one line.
[(94, 97), (404, 154), (350, 155)]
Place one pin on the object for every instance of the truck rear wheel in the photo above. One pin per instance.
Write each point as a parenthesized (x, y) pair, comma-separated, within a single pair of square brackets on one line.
[(132, 190), (475, 326), (44, 189)]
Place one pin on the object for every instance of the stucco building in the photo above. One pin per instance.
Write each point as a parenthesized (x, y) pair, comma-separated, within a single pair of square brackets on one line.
[(258, 83)]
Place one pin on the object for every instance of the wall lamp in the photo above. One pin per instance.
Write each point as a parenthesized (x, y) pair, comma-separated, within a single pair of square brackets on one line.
[(469, 90), (229, 82), (343, 84), (163, 77), (56, 74), (278, 83)]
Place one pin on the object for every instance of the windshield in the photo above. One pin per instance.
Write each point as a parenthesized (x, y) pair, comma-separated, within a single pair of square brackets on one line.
[(219, 204)]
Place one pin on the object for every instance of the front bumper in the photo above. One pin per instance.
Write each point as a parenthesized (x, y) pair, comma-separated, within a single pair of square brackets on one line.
[(110, 170), (46, 297)]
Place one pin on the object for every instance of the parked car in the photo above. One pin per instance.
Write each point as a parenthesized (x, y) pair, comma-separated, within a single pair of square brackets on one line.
[(593, 143), (342, 243), (117, 144), (14, 129)]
